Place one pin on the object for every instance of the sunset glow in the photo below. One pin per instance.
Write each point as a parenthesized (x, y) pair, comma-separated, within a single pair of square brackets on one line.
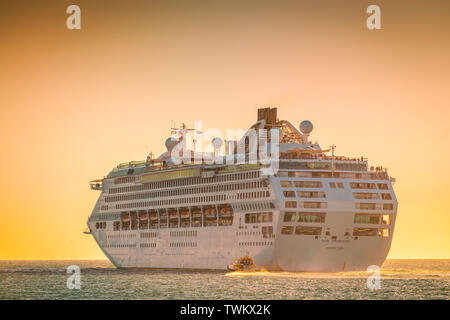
[(75, 103)]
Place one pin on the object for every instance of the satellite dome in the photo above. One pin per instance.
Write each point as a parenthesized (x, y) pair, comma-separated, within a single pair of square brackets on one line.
[(217, 142), (171, 142), (306, 127)]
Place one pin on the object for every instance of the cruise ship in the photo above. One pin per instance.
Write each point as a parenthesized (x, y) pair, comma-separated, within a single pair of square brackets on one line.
[(301, 208)]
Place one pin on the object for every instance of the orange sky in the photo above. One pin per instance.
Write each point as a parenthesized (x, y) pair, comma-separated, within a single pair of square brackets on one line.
[(73, 104)]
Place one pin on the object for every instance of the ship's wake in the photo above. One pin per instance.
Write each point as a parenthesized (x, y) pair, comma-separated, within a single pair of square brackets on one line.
[(389, 273)]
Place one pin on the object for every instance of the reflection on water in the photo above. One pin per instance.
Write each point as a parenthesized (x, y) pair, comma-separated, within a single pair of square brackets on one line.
[(400, 279), (401, 269)]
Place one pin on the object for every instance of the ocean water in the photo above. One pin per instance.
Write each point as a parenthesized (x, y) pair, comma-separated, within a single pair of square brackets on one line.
[(400, 279)]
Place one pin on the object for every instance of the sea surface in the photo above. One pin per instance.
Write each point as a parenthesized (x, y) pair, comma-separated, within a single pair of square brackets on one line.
[(99, 279)]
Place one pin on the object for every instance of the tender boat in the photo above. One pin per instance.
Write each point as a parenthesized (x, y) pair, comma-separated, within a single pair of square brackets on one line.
[(243, 264)]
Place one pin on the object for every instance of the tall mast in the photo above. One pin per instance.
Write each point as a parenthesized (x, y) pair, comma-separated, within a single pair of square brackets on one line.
[(332, 159)]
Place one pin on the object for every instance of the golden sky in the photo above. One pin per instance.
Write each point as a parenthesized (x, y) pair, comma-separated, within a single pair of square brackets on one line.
[(75, 103)]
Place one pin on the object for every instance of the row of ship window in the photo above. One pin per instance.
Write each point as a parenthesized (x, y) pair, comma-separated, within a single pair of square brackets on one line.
[(187, 182), (169, 223), (317, 231), (327, 166), (321, 194), (127, 179), (188, 191), (183, 244), (305, 204), (327, 175), (185, 233), (255, 244), (318, 184), (152, 245), (147, 245), (372, 195), (255, 206), (319, 205), (121, 245), (304, 194), (319, 217), (149, 235), (185, 201), (120, 235), (374, 206)]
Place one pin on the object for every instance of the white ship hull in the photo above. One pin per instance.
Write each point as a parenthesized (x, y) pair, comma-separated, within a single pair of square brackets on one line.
[(218, 246)]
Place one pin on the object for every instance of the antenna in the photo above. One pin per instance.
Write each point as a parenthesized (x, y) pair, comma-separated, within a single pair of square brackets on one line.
[(332, 159)]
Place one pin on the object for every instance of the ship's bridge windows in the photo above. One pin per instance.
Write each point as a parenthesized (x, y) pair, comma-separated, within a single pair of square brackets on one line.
[(382, 186), (332, 185), (388, 206), (311, 194), (289, 216), (368, 232), (383, 232), (287, 230), (365, 218), (312, 231), (311, 217), (286, 184), (340, 185), (386, 219), (386, 196), (308, 184)]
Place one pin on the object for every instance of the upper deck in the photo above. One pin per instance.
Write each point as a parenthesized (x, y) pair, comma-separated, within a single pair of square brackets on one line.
[(293, 152)]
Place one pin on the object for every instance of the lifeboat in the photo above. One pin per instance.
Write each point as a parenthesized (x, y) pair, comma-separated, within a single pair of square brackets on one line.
[(184, 214), (173, 214), (210, 212), (153, 215), (225, 211), (244, 264), (143, 216)]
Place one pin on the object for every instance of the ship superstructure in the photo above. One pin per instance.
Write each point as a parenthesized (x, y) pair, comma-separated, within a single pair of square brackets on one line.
[(316, 212)]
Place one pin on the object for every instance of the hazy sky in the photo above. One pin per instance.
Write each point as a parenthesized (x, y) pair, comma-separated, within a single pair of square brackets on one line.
[(75, 103)]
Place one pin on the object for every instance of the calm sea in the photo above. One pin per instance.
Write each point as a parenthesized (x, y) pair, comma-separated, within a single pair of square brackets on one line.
[(400, 279)]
